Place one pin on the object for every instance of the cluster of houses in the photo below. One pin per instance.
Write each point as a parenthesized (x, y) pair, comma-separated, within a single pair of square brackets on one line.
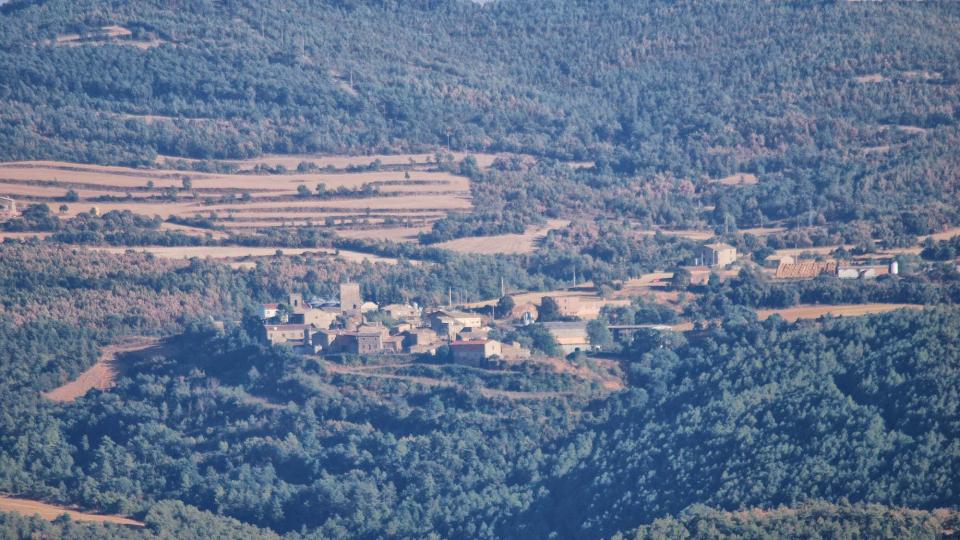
[(344, 328)]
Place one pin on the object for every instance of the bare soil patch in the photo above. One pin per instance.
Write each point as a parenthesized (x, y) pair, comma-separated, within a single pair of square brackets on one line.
[(504, 243), (942, 235), (738, 179), (50, 512), (23, 235), (102, 374), (394, 234), (871, 78)]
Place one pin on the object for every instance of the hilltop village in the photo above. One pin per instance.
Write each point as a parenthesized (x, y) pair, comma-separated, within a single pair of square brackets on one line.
[(473, 335), (358, 327)]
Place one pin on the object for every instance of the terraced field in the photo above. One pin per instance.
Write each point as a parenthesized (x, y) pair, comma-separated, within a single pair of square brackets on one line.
[(412, 195)]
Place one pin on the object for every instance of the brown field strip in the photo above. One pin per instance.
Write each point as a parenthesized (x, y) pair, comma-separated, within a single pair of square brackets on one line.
[(395, 234), (841, 310), (292, 209), (236, 252), (371, 227), (290, 182), (342, 162), (763, 231), (23, 235), (50, 512), (943, 235), (121, 178), (738, 179), (193, 231), (417, 201), (692, 235), (55, 192), (503, 243), (102, 374)]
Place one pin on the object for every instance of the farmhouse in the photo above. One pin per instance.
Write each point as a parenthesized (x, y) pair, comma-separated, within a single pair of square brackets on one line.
[(419, 340), (285, 333), (513, 352), (718, 254), (359, 342), (473, 334), (474, 353), (570, 336), (584, 308), (269, 311), (320, 318), (322, 340), (448, 323), (400, 311), (392, 344)]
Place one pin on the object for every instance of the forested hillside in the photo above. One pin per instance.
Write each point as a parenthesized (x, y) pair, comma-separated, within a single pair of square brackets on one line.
[(592, 143), (846, 112), (746, 415)]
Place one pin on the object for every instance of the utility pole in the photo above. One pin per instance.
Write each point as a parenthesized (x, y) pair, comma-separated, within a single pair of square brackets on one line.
[(449, 296), (503, 289)]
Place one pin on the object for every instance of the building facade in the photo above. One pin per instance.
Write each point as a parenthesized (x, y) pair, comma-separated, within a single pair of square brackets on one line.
[(718, 254), (474, 353)]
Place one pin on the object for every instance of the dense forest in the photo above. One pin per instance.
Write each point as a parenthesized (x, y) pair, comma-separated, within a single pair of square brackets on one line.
[(645, 128), (666, 100), (745, 414)]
